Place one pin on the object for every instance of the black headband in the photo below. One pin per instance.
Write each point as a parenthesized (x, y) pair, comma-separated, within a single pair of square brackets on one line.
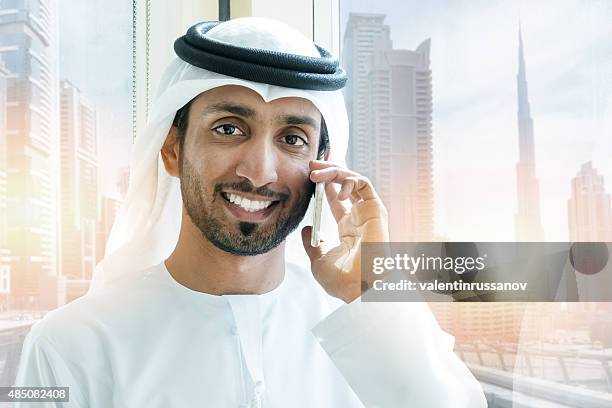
[(259, 65)]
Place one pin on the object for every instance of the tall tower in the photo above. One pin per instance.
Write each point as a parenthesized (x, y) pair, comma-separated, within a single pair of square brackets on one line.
[(364, 34), (29, 48), (528, 226), (590, 217), (78, 184), (401, 139)]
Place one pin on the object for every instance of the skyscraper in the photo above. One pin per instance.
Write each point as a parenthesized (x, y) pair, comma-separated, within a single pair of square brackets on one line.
[(400, 120), (590, 217), (528, 226), (78, 183), (364, 33), (389, 102), (28, 46)]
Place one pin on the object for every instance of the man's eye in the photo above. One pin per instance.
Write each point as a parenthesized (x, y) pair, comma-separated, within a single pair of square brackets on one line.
[(294, 140), (229, 130)]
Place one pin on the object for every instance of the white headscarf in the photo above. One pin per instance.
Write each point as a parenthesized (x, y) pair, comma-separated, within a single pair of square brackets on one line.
[(147, 226)]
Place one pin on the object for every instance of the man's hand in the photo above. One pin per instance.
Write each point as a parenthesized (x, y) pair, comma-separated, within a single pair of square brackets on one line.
[(338, 270)]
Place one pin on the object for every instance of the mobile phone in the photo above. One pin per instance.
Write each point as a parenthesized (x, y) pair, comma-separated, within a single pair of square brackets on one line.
[(315, 237)]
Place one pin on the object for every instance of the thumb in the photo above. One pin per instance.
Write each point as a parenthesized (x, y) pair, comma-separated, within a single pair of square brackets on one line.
[(314, 253)]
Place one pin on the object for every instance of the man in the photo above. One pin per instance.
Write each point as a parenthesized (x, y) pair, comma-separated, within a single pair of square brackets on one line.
[(197, 302)]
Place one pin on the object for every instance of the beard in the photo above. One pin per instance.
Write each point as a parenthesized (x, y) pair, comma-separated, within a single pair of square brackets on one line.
[(239, 237)]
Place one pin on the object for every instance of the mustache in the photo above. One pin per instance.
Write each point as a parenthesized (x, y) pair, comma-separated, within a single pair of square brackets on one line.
[(245, 186)]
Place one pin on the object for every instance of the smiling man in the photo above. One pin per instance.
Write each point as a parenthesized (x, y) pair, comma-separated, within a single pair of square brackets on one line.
[(199, 300), (252, 158)]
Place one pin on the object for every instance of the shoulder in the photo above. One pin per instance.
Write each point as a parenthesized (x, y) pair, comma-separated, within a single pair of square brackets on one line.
[(89, 321)]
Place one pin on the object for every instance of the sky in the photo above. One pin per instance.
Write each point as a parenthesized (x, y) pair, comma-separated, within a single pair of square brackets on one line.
[(96, 56), (568, 52)]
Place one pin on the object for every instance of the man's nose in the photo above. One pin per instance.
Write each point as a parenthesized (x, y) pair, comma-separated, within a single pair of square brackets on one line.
[(258, 163)]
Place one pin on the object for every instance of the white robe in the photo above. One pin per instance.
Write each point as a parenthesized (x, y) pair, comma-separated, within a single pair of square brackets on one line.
[(149, 341)]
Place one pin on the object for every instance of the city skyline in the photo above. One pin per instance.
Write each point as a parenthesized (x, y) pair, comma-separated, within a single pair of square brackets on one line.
[(474, 60), (28, 40), (52, 212), (378, 145)]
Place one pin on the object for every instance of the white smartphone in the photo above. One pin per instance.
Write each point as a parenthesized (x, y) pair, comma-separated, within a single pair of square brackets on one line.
[(315, 237)]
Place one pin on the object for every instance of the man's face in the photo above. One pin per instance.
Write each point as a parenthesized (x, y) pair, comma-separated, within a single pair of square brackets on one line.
[(244, 167)]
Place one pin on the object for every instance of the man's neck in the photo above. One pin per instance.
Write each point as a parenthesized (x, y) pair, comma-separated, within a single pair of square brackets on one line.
[(197, 264)]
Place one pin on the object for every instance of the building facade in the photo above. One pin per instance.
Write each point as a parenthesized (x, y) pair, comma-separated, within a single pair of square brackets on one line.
[(364, 33), (589, 214), (401, 118), (28, 46), (5, 260), (78, 184), (389, 101)]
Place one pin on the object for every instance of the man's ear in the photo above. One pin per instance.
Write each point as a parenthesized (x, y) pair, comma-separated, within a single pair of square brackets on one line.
[(170, 152)]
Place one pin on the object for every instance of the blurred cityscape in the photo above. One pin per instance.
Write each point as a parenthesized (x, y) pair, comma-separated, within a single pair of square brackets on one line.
[(55, 218), (389, 101)]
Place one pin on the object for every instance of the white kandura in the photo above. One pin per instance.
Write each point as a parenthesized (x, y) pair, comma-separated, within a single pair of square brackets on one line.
[(148, 341)]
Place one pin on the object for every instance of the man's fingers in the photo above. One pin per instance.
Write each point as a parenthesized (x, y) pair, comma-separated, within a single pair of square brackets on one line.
[(333, 174), (366, 211), (313, 253), (321, 164), (348, 190), (338, 210)]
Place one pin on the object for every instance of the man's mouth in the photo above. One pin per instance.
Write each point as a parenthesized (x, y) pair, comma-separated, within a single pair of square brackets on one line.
[(249, 209), (250, 205)]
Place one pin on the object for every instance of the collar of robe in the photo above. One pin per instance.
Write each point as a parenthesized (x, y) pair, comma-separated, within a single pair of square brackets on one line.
[(259, 65)]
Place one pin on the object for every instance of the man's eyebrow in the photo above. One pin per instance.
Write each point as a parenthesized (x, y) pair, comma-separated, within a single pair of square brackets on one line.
[(298, 120), (236, 109)]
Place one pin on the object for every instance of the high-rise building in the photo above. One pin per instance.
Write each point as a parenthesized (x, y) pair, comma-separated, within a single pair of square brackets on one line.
[(5, 260), (28, 46), (364, 33), (528, 225), (78, 183), (590, 217), (389, 101), (401, 115)]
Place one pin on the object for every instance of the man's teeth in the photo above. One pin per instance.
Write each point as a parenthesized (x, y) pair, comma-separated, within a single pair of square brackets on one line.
[(249, 205)]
